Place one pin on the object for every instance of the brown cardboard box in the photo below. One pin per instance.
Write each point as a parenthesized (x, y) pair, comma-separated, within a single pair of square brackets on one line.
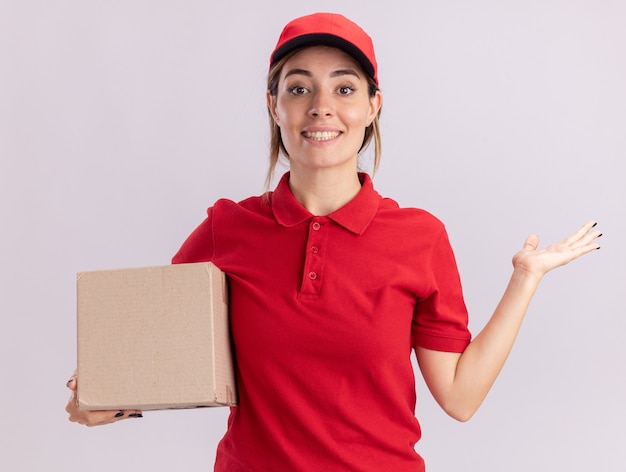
[(154, 338)]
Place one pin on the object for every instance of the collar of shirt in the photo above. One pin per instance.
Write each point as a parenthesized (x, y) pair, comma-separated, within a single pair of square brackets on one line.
[(355, 216)]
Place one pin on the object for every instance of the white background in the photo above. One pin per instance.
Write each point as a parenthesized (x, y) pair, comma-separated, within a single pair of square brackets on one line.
[(122, 120)]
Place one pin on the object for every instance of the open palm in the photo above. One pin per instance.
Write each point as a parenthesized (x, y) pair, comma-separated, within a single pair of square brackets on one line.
[(540, 261)]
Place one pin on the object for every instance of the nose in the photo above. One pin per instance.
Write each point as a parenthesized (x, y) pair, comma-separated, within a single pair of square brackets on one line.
[(322, 105)]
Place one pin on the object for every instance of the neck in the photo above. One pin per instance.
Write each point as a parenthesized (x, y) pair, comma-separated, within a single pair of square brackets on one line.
[(324, 191)]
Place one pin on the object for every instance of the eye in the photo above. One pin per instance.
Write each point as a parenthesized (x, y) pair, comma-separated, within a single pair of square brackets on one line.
[(298, 90), (346, 90)]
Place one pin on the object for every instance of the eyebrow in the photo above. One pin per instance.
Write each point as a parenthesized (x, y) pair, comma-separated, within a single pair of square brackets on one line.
[(335, 73)]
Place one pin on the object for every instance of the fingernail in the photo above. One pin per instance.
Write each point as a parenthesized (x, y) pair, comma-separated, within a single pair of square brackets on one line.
[(135, 415), (600, 235), (595, 224), (119, 414), (597, 248)]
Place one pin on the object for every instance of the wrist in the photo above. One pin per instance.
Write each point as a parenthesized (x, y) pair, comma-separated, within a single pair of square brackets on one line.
[(526, 276)]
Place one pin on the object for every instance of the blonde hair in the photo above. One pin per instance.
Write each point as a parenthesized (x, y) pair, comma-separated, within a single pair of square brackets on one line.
[(277, 148)]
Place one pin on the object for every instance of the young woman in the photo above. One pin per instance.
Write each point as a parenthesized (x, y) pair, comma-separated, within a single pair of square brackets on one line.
[(333, 286)]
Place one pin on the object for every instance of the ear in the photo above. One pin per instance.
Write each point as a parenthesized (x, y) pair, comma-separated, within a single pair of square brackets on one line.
[(375, 103), (271, 106)]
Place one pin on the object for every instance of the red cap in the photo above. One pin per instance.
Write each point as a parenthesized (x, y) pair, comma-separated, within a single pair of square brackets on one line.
[(328, 29)]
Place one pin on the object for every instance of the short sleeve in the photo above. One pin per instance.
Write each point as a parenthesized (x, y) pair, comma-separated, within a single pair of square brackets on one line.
[(199, 245), (440, 319)]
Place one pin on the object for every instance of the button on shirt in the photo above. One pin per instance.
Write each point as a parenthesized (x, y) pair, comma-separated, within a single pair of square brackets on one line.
[(324, 312)]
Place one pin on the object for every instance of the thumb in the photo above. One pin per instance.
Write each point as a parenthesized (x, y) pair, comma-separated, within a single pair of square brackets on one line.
[(531, 242), (72, 383)]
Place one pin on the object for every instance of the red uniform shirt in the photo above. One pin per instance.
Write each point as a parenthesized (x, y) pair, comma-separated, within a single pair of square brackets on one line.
[(325, 311)]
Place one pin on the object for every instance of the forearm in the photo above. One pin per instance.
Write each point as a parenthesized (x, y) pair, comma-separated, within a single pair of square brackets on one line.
[(483, 359)]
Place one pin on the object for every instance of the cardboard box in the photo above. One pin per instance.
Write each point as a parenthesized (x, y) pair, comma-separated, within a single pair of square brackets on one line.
[(154, 338)]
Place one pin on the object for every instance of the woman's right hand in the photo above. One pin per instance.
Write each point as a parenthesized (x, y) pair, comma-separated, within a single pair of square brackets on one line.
[(94, 418)]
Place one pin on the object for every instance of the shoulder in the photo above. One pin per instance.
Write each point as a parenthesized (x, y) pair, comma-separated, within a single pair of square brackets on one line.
[(250, 203), (256, 205), (410, 217), (225, 218)]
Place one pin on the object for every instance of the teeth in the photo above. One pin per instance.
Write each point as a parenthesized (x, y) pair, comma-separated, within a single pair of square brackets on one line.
[(321, 135)]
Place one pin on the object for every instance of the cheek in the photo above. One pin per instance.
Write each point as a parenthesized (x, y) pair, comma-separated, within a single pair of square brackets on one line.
[(284, 115), (358, 116)]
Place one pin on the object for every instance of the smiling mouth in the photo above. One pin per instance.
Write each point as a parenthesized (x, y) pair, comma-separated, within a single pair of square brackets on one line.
[(321, 135)]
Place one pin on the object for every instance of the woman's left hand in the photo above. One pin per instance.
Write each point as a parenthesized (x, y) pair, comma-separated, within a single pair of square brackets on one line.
[(538, 262)]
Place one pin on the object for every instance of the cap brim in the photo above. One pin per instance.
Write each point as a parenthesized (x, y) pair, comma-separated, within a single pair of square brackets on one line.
[(324, 39)]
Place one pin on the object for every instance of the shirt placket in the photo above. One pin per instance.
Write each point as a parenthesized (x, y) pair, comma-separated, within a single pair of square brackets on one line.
[(314, 259)]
